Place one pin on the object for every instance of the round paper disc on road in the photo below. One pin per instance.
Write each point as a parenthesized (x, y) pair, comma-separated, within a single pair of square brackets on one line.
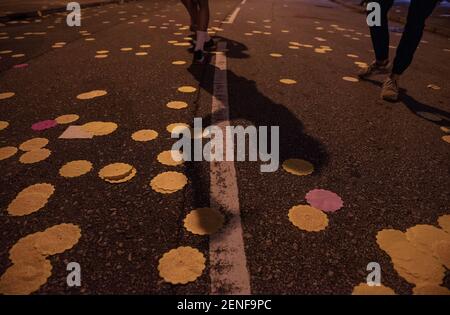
[(6, 95), (57, 239), (25, 277), (34, 156), (115, 171), (430, 289), (168, 182), (99, 128), (75, 168), (7, 152), (187, 89), (170, 158), (3, 124), (91, 94), (170, 128), (350, 79), (144, 135), (308, 218), (44, 125), (298, 167), (204, 221), (181, 265), (324, 200), (288, 81), (33, 144), (177, 105), (31, 199), (67, 119), (444, 222), (365, 289)]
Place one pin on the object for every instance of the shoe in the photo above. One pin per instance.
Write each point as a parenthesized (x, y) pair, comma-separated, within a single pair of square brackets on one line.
[(210, 44), (199, 56), (374, 68), (390, 90)]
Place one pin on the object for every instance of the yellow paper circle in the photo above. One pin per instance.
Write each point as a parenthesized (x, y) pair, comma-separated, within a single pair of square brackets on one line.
[(34, 156), (57, 239), (288, 81), (7, 152), (411, 263), (75, 168), (308, 218), (3, 124), (67, 119), (170, 158), (350, 79), (446, 138), (117, 172), (187, 89), (91, 94), (444, 222), (177, 105), (181, 265), (33, 144), (365, 289), (144, 135), (31, 199), (204, 221), (25, 277), (430, 289), (168, 182), (170, 128), (6, 95), (99, 128), (298, 167)]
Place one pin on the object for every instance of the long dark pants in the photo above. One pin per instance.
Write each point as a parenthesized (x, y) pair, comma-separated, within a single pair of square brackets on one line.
[(419, 11)]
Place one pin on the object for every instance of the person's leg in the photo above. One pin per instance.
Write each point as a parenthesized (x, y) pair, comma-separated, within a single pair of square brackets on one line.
[(380, 42), (380, 34), (191, 7), (202, 24), (202, 31), (419, 11)]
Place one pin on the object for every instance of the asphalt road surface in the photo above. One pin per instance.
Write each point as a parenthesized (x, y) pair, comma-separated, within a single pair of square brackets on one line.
[(389, 162)]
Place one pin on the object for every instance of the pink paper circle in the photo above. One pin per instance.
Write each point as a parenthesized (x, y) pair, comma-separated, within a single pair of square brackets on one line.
[(22, 65), (45, 124), (324, 200)]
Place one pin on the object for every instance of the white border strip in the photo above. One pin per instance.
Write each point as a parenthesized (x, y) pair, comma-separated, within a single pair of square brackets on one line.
[(228, 264)]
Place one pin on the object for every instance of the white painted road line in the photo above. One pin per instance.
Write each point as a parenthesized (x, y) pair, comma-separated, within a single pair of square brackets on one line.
[(228, 264), (232, 17)]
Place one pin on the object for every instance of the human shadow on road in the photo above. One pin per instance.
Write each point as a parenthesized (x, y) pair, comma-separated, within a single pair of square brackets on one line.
[(248, 105), (420, 109)]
